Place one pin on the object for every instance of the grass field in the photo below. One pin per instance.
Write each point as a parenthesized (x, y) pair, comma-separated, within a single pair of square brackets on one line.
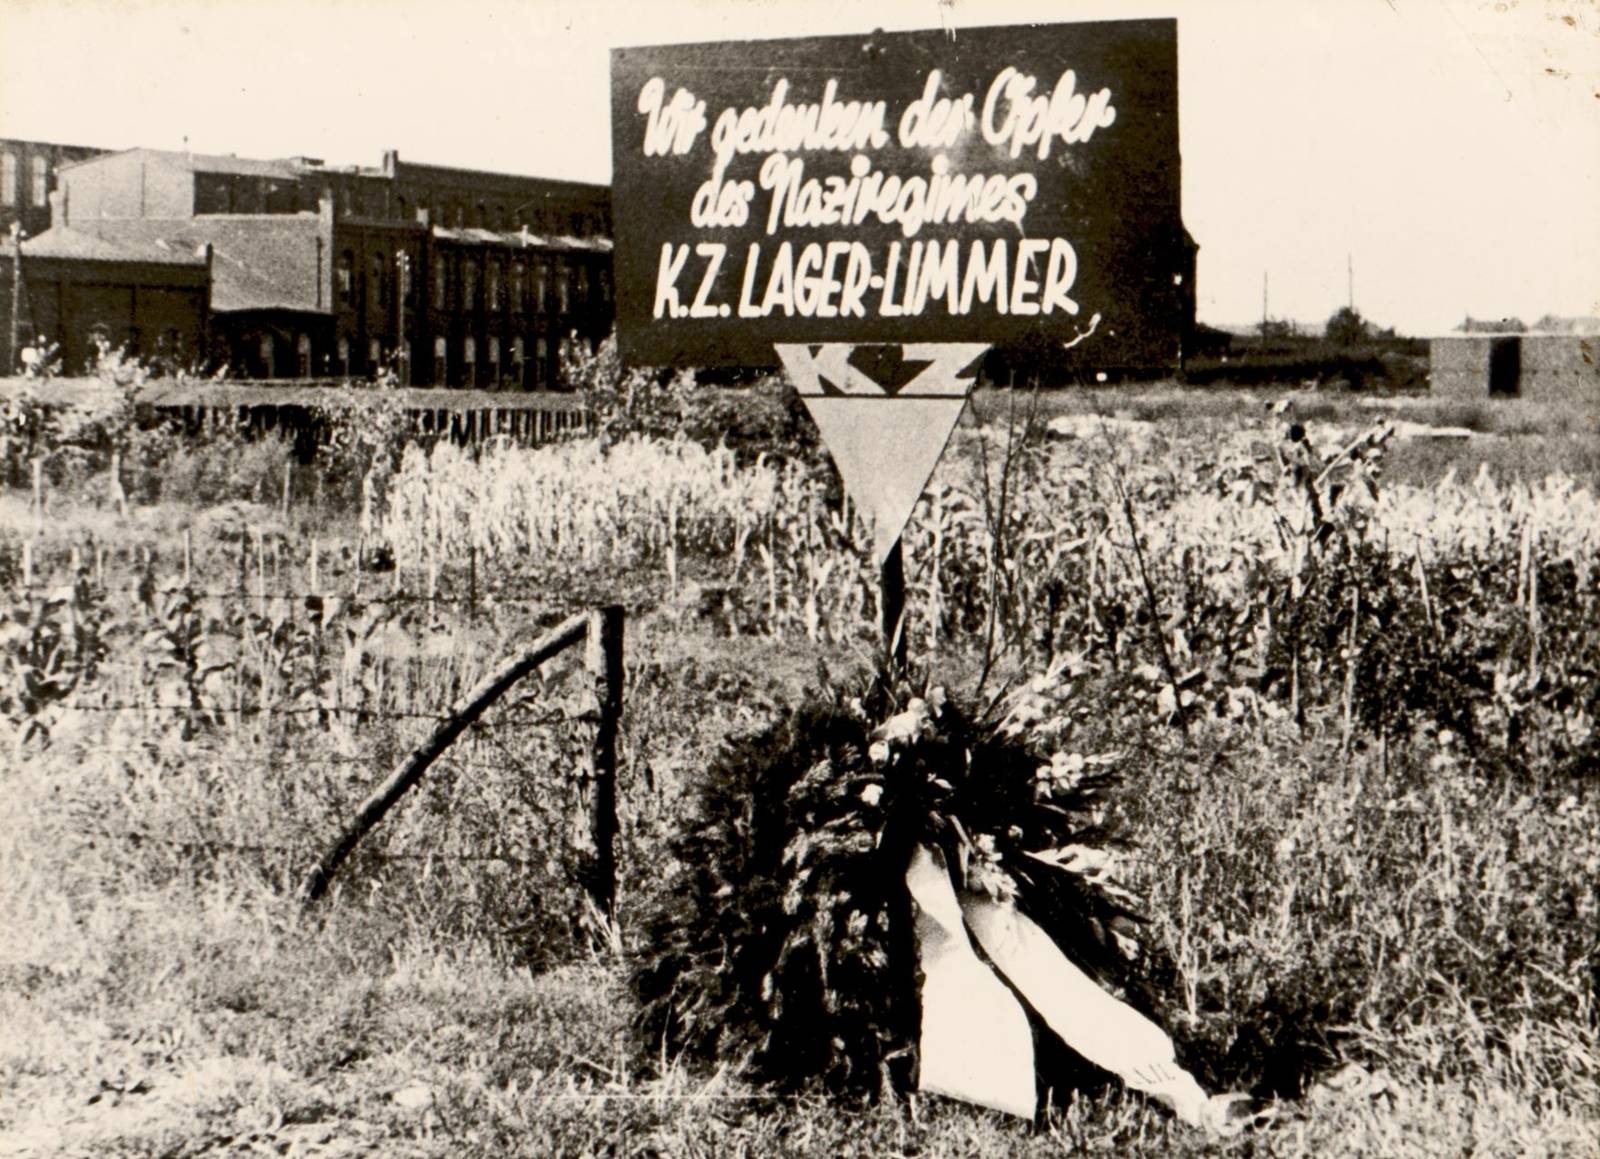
[(1368, 846)]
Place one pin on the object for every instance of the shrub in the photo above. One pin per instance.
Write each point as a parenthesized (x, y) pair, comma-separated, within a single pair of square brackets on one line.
[(219, 470), (364, 429), (765, 417)]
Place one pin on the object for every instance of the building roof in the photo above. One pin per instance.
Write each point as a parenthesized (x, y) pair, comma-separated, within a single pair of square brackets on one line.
[(268, 261), (61, 242), (207, 163), (522, 239), (53, 145), (551, 187), (1541, 335)]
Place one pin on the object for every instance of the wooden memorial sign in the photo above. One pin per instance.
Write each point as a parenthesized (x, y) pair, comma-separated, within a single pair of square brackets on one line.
[(1018, 187), (876, 212)]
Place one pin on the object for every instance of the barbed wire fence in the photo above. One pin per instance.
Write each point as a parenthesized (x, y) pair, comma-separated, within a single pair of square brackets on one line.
[(308, 689)]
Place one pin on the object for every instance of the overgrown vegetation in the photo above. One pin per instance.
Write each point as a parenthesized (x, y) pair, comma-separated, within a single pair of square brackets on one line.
[(1356, 736)]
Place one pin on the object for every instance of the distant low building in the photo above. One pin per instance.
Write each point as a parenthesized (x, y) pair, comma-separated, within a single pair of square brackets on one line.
[(449, 276), (77, 291), (1547, 367)]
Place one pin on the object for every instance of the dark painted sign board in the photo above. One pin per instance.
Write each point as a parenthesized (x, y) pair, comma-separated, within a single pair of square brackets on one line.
[(1013, 186)]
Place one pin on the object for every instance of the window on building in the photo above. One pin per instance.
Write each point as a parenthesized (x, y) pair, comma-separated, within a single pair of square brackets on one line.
[(519, 287), (265, 352), (581, 275), (401, 211), (564, 290), (41, 181), (302, 349), (494, 361), (377, 280), (469, 283), (408, 289), (494, 286), (441, 280), (374, 355), (541, 360), (541, 287), (422, 213), (459, 213), (469, 359), (342, 357), (8, 178), (480, 215), (603, 276), (344, 275), (441, 361), (517, 349)]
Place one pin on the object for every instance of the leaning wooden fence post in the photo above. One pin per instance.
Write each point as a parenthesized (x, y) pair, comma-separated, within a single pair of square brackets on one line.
[(409, 771), (603, 660)]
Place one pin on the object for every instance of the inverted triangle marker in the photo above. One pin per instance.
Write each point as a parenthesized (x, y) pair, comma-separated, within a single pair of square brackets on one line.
[(885, 446), (886, 454)]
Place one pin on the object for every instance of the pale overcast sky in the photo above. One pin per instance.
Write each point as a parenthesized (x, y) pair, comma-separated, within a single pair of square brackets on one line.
[(1451, 146)]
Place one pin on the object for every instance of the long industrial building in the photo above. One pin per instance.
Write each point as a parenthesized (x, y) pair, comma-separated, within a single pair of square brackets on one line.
[(295, 268)]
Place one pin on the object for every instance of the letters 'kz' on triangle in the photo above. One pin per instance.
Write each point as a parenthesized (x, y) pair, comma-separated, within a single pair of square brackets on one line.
[(885, 439)]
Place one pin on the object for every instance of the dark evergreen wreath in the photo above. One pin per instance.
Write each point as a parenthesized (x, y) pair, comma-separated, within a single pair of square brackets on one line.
[(784, 942)]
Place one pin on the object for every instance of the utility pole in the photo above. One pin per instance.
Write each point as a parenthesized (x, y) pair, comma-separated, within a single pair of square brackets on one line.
[(16, 295), (402, 283), (1263, 305)]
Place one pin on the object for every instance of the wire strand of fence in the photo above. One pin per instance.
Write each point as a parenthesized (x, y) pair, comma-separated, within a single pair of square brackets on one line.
[(483, 599), (291, 710), (208, 845), (190, 757)]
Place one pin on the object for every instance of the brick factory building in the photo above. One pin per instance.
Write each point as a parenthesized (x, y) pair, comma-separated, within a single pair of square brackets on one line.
[(77, 290), (450, 276), (28, 178)]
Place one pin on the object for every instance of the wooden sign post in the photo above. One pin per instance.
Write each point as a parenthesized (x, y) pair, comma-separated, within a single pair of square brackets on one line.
[(892, 605)]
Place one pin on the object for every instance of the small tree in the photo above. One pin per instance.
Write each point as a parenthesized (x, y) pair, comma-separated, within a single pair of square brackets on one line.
[(1346, 327)]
